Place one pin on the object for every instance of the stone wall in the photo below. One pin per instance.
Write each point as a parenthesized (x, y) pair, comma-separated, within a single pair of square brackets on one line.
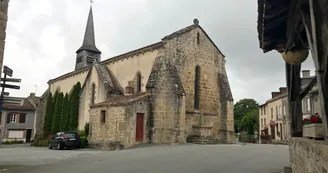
[(167, 104), (40, 113), (3, 26), (185, 53), (308, 155), (119, 126), (187, 49)]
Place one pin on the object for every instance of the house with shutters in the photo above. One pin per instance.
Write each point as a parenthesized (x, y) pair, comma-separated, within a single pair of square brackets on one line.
[(17, 120)]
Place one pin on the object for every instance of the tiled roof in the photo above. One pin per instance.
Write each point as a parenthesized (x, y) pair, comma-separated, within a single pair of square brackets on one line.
[(304, 81), (272, 23), (26, 106), (121, 100)]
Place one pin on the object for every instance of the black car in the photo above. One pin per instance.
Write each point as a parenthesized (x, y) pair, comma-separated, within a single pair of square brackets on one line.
[(64, 139)]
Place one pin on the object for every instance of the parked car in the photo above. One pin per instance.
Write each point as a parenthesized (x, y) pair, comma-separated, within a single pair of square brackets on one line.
[(65, 140)]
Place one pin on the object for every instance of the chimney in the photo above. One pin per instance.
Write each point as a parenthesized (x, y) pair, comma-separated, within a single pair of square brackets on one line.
[(129, 90), (282, 90), (305, 73), (275, 94), (32, 95)]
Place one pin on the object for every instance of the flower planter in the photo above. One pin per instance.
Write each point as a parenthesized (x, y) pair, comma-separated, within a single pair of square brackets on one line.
[(314, 130)]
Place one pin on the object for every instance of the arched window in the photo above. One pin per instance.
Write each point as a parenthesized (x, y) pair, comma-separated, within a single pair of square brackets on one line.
[(93, 91), (197, 87), (138, 82)]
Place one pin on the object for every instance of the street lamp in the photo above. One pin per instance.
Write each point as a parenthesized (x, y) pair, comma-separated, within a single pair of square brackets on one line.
[(295, 57)]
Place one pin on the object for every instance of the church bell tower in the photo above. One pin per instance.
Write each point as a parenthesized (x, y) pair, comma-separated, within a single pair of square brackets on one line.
[(88, 53)]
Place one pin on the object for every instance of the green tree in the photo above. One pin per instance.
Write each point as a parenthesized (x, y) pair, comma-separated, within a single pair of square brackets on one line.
[(48, 116), (250, 121), (74, 110), (57, 113), (64, 116), (241, 108)]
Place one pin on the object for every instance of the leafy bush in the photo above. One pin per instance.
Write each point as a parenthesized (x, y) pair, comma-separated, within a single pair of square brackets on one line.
[(10, 142), (43, 143), (84, 142), (81, 133), (19, 142), (86, 129)]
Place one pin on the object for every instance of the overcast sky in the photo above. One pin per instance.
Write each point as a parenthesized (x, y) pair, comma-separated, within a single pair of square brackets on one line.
[(43, 35)]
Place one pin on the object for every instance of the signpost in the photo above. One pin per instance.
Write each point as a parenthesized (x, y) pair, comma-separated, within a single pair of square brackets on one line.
[(7, 72)]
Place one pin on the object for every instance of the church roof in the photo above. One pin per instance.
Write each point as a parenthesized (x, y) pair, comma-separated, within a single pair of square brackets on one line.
[(108, 79), (89, 36), (121, 100), (128, 54), (110, 60), (26, 105)]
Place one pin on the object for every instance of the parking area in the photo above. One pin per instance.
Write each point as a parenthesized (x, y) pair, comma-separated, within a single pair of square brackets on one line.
[(189, 158), (27, 155)]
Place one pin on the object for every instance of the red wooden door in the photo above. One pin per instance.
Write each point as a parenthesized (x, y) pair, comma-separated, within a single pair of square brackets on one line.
[(140, 127)]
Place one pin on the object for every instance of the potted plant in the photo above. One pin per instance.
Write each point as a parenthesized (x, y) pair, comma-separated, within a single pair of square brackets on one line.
[(313, 127)]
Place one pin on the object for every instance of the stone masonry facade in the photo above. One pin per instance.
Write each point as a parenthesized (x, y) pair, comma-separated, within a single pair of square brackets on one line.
[(307, 155), (186, 49), (180, 86), (41, 112), (119, 125), (172, 116), (3, 26)]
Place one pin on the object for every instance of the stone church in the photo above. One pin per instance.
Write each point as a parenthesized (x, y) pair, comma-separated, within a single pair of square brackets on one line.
[(172, 91)]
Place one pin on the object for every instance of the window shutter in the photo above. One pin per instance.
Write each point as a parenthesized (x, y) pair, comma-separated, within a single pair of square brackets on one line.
[(22, 117), (8, 118)]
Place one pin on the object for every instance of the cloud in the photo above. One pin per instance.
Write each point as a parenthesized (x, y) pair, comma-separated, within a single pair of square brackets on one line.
[(43, 35)]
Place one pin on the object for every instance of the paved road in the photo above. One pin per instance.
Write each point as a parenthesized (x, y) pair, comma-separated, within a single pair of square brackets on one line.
[(164, 159)]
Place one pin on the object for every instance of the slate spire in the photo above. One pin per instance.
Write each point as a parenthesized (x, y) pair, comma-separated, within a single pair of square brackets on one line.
[(88, 53), (89, 36)]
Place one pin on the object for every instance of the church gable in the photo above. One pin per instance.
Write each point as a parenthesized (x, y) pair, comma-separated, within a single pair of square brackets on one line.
[(200, 32)]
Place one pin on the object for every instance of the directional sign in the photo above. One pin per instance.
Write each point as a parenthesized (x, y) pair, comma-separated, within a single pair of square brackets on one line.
[(11, 100), (5, 93), (8, 71), (10, 86), (11, 80)]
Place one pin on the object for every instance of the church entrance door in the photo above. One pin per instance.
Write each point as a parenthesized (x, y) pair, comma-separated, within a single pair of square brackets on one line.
[(140, 127)]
